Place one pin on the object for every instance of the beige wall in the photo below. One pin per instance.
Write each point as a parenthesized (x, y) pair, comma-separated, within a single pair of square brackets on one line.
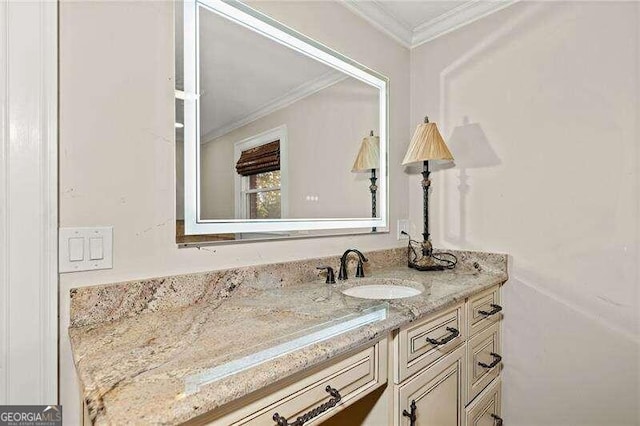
[(117, 142), (324, 134), (539, 103)]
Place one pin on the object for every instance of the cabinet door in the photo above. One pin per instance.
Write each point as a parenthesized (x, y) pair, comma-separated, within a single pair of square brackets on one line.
[(486, 409), (436, 394)]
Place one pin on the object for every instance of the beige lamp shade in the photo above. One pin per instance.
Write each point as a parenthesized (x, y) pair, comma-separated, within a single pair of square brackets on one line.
[(369, 155), (427, 144)]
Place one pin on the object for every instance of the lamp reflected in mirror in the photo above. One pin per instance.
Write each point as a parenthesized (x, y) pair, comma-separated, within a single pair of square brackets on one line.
[(368, 160)]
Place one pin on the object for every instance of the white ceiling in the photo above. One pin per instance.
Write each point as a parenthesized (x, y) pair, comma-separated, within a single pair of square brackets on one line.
[(244, 75), (415, 22)]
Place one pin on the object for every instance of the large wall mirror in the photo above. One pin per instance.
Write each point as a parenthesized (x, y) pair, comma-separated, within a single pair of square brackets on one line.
[(276, 135)]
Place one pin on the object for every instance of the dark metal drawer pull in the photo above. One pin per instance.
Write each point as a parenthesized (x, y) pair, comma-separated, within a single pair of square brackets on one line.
[(412, 415), (335, 398), (496, 361), (454, 333), (497, 420), (495, 310)]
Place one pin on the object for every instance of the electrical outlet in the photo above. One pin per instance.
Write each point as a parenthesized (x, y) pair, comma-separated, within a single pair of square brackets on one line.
[(403, 225)]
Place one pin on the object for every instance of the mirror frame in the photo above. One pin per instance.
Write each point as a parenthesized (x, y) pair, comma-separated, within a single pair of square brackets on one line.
[(268, 27)]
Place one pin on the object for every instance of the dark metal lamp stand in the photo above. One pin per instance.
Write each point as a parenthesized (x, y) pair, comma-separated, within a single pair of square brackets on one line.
[(427, 262), (373, 188)]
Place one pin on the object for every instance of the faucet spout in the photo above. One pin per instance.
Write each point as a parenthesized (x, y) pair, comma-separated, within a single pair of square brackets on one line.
[(342, 273)]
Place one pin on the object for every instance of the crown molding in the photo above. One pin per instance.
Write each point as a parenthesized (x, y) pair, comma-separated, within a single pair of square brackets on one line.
[(457, 18), (302, 91), (378, 16)]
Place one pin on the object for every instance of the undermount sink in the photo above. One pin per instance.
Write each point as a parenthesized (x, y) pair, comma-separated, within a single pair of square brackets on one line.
[(383, 289)]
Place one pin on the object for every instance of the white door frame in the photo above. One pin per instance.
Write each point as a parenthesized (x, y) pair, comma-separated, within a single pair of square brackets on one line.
[(28, 202)]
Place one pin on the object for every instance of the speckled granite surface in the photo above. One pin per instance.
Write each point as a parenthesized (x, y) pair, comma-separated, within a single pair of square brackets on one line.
[(136, 344), (96, 304)]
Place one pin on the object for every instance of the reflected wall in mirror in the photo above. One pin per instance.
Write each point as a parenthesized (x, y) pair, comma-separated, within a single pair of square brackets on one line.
[(268, 128)]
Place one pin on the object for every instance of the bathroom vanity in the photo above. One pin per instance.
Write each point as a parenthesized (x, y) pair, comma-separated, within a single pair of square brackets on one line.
[(271, 343), (436, 369)]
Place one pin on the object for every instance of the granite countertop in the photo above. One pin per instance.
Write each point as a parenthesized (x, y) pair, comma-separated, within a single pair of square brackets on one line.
[(134, 368)]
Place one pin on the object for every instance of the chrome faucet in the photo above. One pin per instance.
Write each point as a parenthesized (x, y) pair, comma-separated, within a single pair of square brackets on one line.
[(342, 273)]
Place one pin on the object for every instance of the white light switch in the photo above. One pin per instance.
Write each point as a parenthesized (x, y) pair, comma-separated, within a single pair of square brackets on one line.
[(85, 249), (76, 249), (96, 249)]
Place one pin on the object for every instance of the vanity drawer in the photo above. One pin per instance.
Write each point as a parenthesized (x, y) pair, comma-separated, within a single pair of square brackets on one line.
[(425, 342), (483, 360), (353, 376), (483, 310), (486, 410)]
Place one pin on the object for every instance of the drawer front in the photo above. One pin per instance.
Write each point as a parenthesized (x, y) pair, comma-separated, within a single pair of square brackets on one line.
[(483, 310), (486, 410), (483, 360), (425, 342), (435, 396), (353, 377)]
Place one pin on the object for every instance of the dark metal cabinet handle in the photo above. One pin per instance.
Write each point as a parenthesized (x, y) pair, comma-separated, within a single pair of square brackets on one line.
[(495, 310), (496, 361), (497, 420), (335, 398), (454, 333), (412, 415)]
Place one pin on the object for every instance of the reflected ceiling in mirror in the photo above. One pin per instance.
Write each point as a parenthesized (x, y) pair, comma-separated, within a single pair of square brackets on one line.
[(272, 125)]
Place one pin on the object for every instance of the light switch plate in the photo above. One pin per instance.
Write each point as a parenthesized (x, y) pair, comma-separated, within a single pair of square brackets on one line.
[(85, 249)]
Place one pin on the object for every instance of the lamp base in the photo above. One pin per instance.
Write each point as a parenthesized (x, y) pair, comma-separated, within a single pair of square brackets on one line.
[(420, 256), (426, 263), (427, 248)]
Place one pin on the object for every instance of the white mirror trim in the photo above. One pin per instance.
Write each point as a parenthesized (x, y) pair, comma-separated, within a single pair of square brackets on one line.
[(255, 21)]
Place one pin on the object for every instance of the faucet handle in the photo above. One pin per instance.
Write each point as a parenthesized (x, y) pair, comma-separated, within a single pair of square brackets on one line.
[(331, 278), (342, 273), (360, 269)]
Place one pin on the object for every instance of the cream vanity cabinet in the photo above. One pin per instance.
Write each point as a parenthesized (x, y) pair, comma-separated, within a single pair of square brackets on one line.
[(447, 366), (443, 370)]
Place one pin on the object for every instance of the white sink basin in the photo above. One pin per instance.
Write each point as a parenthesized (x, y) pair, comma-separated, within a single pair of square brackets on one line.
[(381, 291)]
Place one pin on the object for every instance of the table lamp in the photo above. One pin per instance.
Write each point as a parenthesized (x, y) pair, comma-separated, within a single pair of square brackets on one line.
[(368, 159), (427, 144)]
